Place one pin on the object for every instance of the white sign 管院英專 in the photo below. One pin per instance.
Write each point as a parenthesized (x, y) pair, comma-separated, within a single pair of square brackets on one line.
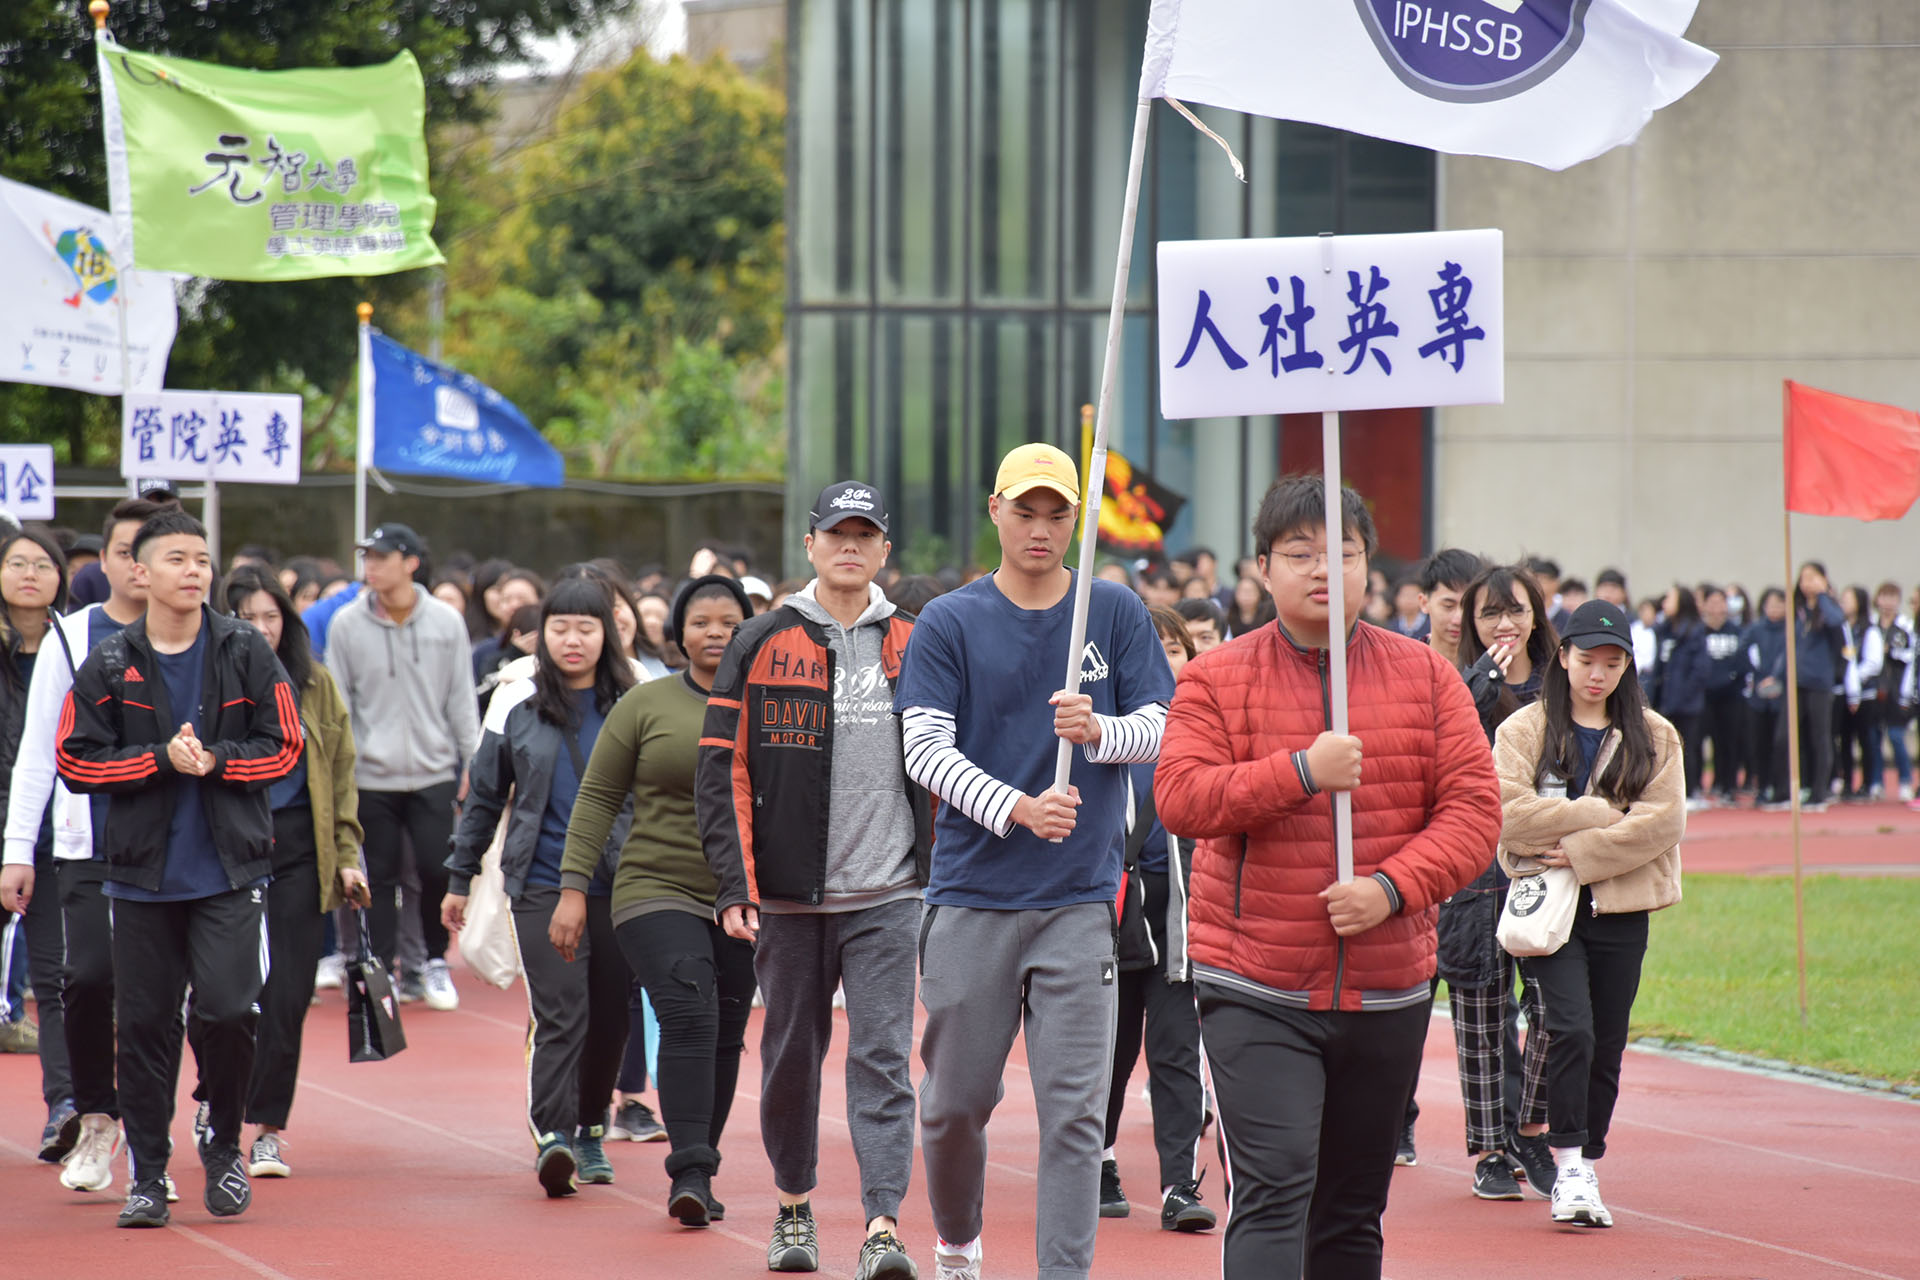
[(26, 481), (228, 436), (1309, 324)]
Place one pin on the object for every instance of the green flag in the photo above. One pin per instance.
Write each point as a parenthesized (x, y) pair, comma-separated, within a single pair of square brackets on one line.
[(267, 175)]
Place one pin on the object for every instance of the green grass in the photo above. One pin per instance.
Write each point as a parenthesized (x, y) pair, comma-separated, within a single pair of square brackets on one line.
[(1720, 971)]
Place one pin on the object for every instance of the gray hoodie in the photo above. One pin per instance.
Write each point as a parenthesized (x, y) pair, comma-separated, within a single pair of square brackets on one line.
[(869, 823), (409, 689)]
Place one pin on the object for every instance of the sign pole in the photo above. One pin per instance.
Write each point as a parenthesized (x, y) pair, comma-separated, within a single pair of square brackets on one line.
[(363, 436), (1096, 477), (210, 517), (1337, 630)]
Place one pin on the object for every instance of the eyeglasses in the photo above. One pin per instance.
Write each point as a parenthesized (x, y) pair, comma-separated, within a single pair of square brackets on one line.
[(259, 619), (1304, 562), (18, 565)]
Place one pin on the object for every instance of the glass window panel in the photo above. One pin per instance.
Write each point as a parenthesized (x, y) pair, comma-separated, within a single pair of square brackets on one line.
[(919, 160), (1016, 140), (832, 149)]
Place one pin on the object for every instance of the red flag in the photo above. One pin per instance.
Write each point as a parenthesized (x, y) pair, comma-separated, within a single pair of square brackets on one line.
[(1848, 457)]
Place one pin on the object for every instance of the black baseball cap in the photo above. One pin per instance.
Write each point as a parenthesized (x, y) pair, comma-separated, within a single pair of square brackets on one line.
[(1598, 622), (845, 500), (394, 537)]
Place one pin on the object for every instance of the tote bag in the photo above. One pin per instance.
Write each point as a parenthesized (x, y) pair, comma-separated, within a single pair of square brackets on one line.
[(1538, 916)]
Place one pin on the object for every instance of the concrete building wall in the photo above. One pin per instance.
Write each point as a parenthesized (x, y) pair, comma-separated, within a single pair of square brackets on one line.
[(746, 31), (1767, 226)]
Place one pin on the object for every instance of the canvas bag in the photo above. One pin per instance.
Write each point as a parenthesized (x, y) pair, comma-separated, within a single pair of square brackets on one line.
[(373, 1014), (1538, 917), (486, 939)]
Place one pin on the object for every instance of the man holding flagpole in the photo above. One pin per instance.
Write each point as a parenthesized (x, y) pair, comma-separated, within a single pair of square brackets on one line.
[(1314, 991), (1019, 927)]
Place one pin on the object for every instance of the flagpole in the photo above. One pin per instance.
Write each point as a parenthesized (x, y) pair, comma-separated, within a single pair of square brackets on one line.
[(363, 434), (1793, 745), (1096, 477), (98, 10)]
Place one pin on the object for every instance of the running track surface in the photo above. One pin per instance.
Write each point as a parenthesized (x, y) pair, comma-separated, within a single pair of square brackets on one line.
[(421, 1168)]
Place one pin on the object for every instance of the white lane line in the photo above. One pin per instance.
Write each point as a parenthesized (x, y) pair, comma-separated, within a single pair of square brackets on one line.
[(510, 1158)]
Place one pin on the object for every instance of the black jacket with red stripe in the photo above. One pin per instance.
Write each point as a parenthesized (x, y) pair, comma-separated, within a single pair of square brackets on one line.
[(113, 737), (765, 779)]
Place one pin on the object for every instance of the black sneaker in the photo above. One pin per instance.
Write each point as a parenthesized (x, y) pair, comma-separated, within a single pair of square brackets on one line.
[(1113, 1201), (795, 1245), (1536, 1158), (62, 1131), (554, 1165), (1493, 1180), (1182, 1210), (146, 1205), (883, 1257), (1406, 1154), (229, 1191)]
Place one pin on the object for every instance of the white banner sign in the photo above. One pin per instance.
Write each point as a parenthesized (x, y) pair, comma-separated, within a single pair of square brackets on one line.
[(1315, 323), (59, 326), (229, 436), (26, 481)]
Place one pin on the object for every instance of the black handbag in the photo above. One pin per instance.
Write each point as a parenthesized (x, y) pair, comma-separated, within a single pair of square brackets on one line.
[(373, 1014)]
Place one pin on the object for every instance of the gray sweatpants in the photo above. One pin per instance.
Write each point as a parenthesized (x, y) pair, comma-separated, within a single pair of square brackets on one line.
[(983, 974), (799, 959)]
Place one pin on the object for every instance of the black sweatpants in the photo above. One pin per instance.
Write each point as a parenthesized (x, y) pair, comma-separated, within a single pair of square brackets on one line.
[(1585, 994), (577, 1014), (218, 944), (1160, 1014), (700, 983), (295, 934), (1765, 761), (1816, 743), (46, 945), (1311, 1106), (1692, 748), (87, 993), (633, 1067), (1726, 727), (389, 819)]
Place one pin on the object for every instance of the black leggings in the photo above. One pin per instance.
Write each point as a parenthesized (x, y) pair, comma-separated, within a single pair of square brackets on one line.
[(391, 817), (700, 982), (295, 932)]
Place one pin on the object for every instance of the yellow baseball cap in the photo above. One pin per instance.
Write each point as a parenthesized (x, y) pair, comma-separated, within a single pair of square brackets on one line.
[(1038, 466)]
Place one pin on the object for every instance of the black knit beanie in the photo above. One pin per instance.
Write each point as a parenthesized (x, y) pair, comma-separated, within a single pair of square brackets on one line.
[(677, 620)]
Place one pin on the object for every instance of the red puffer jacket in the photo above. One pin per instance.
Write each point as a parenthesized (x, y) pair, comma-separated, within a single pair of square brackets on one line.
[(1427, 813)]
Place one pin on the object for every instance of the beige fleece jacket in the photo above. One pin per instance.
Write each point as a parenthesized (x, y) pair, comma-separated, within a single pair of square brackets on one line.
[(1629, 857)]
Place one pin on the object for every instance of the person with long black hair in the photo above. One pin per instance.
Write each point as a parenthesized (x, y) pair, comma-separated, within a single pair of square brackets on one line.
[(532, 756), (1506, 647), (1858, 716), (316, 860), (1680, 673), (1819, 640), (699, 980), (1591, 780), (33, 593), (1765, 641)]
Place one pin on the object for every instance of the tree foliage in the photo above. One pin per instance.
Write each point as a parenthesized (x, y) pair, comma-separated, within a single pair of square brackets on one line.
[(238, 335), (621, 278)]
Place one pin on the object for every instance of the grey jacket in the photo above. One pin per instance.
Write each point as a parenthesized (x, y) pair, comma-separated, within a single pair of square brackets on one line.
[(409, 689)]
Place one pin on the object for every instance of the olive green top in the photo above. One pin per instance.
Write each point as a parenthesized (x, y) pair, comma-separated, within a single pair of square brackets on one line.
[(649, 748)]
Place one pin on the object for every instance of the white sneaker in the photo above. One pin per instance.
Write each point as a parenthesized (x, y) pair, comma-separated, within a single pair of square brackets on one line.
[(268, 1158), (1906, 792), (173, 1192), (89, 1166), (1576, 1198), (330, 974), (956, 1262), (437, 981)]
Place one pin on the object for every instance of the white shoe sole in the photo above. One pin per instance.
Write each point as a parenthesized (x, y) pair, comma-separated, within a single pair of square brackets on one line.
[(444, 1004)]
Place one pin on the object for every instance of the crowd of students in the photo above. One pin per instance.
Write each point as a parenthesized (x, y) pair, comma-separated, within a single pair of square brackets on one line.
[(838, 792)]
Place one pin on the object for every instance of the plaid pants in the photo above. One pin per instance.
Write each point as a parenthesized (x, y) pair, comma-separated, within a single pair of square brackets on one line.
[(1478, 1016)]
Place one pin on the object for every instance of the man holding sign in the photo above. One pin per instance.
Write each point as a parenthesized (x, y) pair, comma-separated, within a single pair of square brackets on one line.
[(1018, 928), (1313, 994)]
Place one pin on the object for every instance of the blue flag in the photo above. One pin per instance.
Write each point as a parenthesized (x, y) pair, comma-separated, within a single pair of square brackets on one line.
[(432, 420)]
